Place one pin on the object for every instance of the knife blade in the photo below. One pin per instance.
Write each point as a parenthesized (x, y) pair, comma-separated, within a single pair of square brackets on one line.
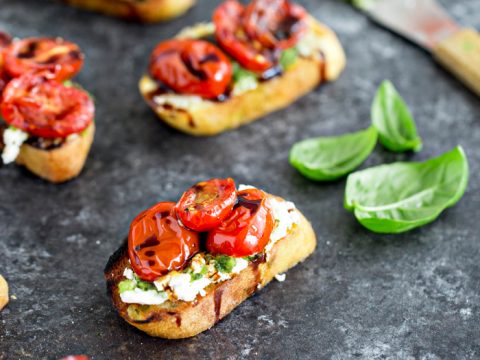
[(428, 25)]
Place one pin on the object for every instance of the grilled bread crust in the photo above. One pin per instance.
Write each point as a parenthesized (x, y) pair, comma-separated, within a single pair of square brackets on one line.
[(179, 319), (215, 117), (144, 11), (60, 164)]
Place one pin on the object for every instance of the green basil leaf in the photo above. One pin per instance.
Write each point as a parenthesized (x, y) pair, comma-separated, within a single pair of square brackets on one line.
[(394, 122), (329, 158), (224, 263), (288, 57), (243, 79), (402, 196), (126, 285)]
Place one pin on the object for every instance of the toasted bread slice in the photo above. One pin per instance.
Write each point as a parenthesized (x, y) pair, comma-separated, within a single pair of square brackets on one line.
[(179, 319), (59, 164), (145, 11), (3, 292), (211, 118)]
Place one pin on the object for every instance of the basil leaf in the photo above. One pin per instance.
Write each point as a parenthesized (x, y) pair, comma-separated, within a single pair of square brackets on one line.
[(224, 263), (288, 57), (126, 285), (401, 196), (329, 158), (395, 125), (243, 79)]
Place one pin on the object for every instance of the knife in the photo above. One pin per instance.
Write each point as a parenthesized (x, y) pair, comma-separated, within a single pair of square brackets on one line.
[(428, 25)]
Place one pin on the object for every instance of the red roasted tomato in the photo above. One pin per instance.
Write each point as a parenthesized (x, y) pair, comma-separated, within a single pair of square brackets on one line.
[(275, 23), (205, 205), (247, 229), (62, 58), (44, 107), (193, 67), (255, 35), (5, 40), (157, 243)]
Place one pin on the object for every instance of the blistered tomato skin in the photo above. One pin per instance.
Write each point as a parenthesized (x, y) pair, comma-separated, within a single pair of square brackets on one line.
[(44, 107), (255, 35), (62, 58), (193, 67), (276, 24), (158, 243), (246, 231), (206, 204)]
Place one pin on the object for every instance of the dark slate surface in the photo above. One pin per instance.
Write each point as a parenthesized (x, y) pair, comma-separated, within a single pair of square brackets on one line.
[(361, 295)]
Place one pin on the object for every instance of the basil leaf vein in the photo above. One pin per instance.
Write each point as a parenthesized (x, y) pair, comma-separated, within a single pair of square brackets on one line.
[(392, 118), (329, 158), (401, 196)]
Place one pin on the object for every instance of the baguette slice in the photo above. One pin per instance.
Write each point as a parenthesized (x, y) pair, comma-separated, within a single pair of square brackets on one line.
[(60, 164), (211, 118), (144, 11), (179, 319)]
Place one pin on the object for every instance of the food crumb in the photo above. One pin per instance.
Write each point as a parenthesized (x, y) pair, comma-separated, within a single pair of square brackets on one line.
[(280, 277)]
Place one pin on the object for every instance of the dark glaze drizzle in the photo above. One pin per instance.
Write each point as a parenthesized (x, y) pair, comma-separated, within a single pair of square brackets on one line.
[(45, 144), (150, 242), (323, 67), (5, 39), (29, 52), (178, 318), (252, 205), (217, 299)]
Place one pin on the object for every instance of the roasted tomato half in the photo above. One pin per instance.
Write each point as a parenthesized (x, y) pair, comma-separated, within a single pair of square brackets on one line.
[(205, 205), (5, 40), (255, 35), (276, 24), (194, 67), (246, 231), (44, 107), (157, 243), (62, 58)]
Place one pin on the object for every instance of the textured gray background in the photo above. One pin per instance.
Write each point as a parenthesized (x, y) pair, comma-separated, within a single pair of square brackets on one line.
[(361, 295)]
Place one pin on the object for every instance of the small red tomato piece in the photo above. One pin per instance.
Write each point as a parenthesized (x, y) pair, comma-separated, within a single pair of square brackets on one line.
[(5, 40), (46, 108), (276, 24), (62, 58), (233, 39), (157, 243), (255, 35), (246, 231), (205, 205), (193, 67)]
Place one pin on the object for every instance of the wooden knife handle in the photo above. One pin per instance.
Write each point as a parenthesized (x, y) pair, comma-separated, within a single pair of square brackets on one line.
[(460, 54)]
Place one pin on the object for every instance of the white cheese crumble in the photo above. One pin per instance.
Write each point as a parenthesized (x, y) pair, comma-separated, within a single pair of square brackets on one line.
[(240, 265), (244, 84), (128, 273), (310, 44), (143, 297), (280, 277), (185, 102), (185, 289), (13, 139), (197, 31)]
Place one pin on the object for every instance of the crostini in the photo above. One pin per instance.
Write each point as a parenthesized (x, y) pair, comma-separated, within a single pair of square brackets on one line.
[(144, 10), (187, 265), (249, 61), (47, 122)]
